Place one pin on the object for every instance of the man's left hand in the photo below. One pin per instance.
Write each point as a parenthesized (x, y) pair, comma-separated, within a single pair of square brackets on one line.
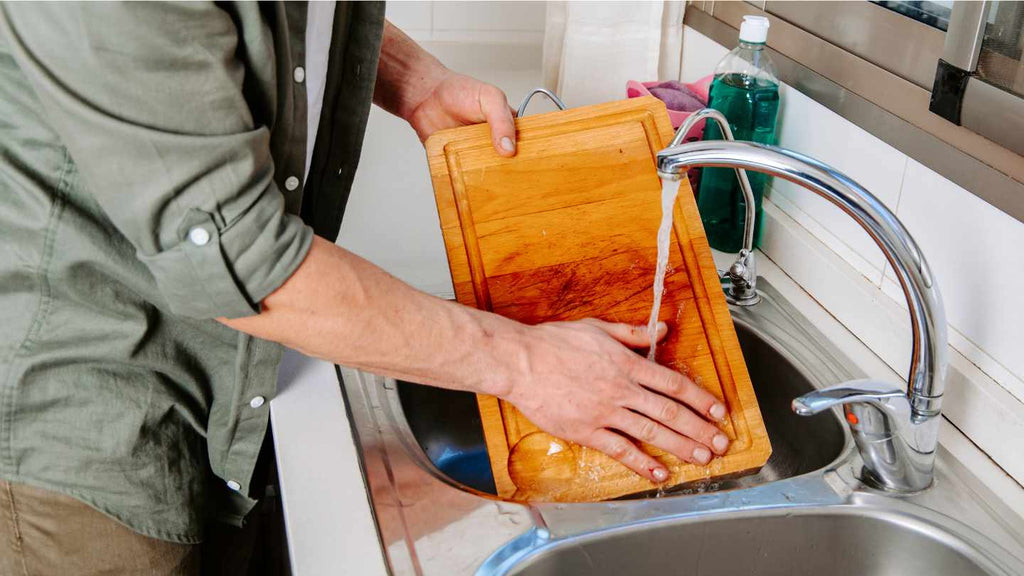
[(458, 100), (414, 85)]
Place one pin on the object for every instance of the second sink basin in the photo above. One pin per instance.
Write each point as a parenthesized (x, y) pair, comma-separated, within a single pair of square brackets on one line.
[(447, 425), (835, 540)]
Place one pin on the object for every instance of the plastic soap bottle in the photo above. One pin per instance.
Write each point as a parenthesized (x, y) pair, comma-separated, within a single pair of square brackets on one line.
[(745, 90)]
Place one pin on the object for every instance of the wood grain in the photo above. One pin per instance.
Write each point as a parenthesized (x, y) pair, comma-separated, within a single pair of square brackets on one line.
[(567, 230)]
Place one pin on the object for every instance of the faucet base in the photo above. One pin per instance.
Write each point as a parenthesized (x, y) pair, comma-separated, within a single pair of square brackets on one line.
[(741, 301), (742, 276)]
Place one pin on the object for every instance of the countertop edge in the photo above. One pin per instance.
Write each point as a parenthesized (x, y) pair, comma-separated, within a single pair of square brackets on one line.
[(327, 514)]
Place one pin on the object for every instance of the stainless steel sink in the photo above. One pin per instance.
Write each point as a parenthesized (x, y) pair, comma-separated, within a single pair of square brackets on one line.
[(838, 541), (806, 512)]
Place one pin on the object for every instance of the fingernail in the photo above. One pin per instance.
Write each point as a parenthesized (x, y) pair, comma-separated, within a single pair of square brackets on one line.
[(662, 326), (660, 474), (702, 455), (508, 144), (720, 442), (717, 412)]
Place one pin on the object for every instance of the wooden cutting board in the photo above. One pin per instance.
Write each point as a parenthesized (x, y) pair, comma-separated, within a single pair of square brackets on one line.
[(567, 230)]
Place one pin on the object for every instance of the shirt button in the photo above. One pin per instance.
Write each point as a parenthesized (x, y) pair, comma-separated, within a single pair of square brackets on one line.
[(199, 236), (257, 401), (291, 183), (299, 75), (234, 485)]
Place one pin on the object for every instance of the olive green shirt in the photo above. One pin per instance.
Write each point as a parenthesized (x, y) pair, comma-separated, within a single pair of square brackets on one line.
[(144, 154)]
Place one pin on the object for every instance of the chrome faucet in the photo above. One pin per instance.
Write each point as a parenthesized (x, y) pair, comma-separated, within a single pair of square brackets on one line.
[(896, 432)]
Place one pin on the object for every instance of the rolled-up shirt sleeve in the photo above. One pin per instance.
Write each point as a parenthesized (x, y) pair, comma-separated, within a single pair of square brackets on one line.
[(150, 101)]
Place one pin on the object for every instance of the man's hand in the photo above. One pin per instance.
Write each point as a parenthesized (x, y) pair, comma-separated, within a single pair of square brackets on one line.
[(415, 86), (458, 100), (577, 381)]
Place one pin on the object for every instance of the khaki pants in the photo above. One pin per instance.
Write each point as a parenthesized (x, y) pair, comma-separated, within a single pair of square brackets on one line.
[(44, 533)]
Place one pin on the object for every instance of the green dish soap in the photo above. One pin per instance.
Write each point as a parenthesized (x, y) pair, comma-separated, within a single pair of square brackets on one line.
[(746, 91)]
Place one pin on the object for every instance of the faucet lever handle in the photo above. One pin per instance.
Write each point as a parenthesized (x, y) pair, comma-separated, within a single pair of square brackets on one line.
[(878, 394), (898, 451)]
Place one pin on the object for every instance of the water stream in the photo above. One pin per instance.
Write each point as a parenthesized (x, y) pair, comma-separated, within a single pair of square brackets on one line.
[(669, 190)]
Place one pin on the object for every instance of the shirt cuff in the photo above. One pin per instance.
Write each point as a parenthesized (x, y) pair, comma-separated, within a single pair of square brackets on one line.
[(227, 271)]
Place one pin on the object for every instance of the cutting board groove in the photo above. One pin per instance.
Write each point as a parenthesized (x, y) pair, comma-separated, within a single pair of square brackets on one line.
[(567, 230)]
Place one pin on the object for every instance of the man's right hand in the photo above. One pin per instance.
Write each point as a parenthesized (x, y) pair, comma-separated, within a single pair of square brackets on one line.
[(580, 382)]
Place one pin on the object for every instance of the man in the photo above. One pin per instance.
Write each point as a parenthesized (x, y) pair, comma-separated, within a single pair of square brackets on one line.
[(162, 237)]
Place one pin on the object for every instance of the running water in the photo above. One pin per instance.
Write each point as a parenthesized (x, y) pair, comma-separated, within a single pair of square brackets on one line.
[(669, 190)]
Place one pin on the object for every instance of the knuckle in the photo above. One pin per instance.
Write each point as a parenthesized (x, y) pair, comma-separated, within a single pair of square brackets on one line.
[(674, 384), (631, 361), (648, 431), (668, 411), (622, 397), (607, 415), (618, 449), (699, 431), (492, 91)]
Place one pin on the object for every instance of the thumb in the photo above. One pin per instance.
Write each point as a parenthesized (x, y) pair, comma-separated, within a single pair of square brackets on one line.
[(633, 335), (494, 107)]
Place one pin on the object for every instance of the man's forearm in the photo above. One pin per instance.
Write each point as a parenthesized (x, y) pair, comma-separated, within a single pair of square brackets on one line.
[(341, 308), (415, 86), (405, 73), (573, 379)]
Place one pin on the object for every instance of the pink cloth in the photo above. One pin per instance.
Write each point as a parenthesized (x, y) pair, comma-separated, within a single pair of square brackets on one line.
[(677, 92)]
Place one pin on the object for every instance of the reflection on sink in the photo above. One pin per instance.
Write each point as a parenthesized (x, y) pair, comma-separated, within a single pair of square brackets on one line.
[(839, 541), (446, 424)]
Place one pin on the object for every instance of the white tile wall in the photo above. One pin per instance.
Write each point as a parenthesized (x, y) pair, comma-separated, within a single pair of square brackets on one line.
[(413, 17), (391, 218), (524, 16), (448, 21), (809, 128), (700, 55), (970, 246), (973, 250)]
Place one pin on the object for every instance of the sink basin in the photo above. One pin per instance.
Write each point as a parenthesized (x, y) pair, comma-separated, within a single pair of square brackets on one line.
[(446, 424), (838, 541)]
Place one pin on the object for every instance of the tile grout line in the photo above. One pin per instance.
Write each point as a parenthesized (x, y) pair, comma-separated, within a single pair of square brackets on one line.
[(792, 204), (896, 211)]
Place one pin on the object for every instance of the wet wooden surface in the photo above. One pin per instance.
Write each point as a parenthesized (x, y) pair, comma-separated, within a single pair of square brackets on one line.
[(567, 230)]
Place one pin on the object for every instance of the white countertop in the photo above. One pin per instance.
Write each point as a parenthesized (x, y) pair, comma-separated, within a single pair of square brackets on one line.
[(327, 511)]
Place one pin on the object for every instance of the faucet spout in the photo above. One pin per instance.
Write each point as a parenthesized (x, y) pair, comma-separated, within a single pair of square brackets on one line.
[(742, 275), (926, 380)]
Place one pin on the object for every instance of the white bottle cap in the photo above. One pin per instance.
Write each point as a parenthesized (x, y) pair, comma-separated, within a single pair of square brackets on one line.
[(754, 29)]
